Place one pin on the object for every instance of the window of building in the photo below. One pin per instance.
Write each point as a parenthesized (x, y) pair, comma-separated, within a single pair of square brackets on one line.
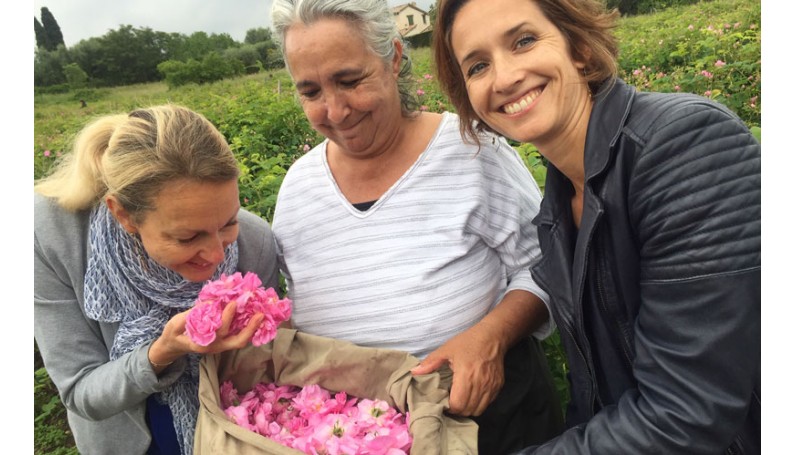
[(410, 17)]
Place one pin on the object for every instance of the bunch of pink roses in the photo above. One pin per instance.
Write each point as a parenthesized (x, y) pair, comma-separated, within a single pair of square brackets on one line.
[(204, 319), (309, 419)]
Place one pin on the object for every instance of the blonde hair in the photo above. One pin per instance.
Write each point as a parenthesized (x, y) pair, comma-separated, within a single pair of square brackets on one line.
[(132, 156)]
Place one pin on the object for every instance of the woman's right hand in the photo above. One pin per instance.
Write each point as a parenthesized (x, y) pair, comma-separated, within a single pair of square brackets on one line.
[(173, 343)]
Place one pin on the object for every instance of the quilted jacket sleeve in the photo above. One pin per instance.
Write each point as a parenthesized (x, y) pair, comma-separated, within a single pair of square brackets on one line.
[(694, 199)]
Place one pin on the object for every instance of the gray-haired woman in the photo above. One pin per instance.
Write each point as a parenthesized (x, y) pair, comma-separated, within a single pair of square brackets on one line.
[(394, 233), (127, 230)]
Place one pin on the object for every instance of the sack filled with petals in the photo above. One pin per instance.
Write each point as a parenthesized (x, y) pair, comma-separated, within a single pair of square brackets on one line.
[(315, 421), (298, 361)]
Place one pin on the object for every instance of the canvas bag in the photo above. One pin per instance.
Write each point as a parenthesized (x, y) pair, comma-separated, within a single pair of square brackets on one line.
[(295, 358)]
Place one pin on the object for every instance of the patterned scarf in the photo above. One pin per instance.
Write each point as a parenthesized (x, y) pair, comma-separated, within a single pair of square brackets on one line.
[(123, 284)]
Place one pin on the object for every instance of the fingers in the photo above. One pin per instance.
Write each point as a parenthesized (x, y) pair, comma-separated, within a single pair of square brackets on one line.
[(242, 338), (227, 316), (473, 390), (429, 365)]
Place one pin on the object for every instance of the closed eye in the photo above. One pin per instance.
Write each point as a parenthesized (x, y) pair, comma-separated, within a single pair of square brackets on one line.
[(186, 241), (309, 94), (351, 83)]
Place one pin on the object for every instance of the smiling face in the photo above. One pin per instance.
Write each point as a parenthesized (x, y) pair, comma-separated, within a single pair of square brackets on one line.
[(520, 77), (347, 92), (189, 228)]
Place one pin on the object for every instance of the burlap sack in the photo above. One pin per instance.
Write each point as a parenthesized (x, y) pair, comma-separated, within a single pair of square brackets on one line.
[(299, 359)]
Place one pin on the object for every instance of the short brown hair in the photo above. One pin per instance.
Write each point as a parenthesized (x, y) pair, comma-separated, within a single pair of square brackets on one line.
[(586, 25)]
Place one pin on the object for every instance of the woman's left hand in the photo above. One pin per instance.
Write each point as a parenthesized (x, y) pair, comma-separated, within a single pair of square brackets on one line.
[(476, 358), (174, 342)]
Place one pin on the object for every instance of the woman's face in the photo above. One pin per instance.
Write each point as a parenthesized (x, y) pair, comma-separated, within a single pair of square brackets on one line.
[(190, 226), (347, 92), (520, 77)]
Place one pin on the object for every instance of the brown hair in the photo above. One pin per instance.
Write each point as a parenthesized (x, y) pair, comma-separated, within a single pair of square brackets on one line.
[(586, 25), (132, 156)]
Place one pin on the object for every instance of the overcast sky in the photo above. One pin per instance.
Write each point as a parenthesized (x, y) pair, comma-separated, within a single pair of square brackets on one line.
[(82, 19)]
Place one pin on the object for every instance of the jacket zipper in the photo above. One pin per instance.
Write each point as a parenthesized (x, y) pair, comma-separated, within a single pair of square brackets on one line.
[(567, 325), (614, 322)]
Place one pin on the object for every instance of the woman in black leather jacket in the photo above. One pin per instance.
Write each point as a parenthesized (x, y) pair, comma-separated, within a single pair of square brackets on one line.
[(650, 226)]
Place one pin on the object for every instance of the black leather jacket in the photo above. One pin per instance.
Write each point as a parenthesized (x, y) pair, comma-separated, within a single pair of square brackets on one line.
[(657, 295)]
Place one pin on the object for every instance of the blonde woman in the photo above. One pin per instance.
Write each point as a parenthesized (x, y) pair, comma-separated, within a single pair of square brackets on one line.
[(127, 230)]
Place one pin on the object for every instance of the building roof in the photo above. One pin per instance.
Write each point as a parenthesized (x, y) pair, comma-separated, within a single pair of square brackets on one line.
[(415, 29), (399, 8)]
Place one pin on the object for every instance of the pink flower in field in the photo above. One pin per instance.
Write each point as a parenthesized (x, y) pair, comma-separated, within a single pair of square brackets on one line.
[(677, 88), (706, 74), (420, 92), (427, 76), (637, 72), (423, 108), (47, 153), (690, 27), (737, 25), (202, 322), (720, 63), (307, 148), (708, 93)]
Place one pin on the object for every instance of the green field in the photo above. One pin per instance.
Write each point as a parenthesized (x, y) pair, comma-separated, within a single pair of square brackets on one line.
[(712, 49)]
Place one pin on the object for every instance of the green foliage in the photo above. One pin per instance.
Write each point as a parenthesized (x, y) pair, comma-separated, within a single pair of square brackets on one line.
[(121, 57), (48, 67), (536, 163), (52, 31), (714, 52), (258, 35), (213, 67), (556, 358), (632, 7), (75, 76), (41, 36), (52, 435)]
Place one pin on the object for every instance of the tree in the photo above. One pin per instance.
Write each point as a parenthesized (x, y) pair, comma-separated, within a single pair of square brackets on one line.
[(48, 67), (75, 76), (41, 36), (52, 31), (258, 35), (432, 12)]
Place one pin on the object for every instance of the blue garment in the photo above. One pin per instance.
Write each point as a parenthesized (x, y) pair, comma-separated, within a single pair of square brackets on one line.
[(161, 425)]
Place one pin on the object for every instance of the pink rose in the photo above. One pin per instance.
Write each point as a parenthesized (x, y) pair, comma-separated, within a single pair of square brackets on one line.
[(202, 322)]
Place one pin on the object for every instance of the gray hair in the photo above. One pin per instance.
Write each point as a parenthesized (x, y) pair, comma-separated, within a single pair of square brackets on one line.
[(372, 18)]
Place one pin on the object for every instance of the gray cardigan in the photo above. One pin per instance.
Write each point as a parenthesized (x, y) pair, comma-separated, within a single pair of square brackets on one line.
[(105, 401)]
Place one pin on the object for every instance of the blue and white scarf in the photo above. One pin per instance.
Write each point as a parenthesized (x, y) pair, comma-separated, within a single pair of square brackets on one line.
[(123, 284)]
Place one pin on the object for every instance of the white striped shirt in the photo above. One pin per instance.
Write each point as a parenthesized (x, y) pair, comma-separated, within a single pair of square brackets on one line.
[(428, 260)]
